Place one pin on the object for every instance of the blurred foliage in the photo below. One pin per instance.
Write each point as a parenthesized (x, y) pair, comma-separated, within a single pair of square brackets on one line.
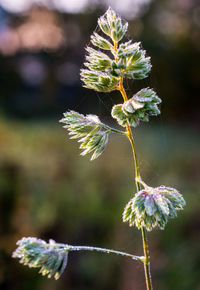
[(49, 191), (40, 77)]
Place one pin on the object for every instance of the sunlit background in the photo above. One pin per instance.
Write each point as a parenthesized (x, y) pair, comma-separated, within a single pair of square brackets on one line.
[(47, 190)]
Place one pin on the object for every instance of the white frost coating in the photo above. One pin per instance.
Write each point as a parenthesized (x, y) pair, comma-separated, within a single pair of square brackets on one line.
[(93, 118)]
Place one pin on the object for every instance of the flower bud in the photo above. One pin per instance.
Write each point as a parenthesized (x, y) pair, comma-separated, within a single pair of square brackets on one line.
[(138, 108), (93, 133), (137, 65), (99, 81), (100, 42), (36, 253), (152, 207), (97, 60), (103, 24), (112, 25)]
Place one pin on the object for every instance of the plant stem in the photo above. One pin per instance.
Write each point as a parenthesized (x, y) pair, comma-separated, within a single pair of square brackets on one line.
[(138, 182), (104, 250), (114, 130), (147, 269), (98, 249)]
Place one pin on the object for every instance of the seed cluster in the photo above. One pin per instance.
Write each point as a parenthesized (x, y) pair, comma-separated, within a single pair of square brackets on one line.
[(92, 133), (151, 207), (138, 108), (129, 60), (36, 253)]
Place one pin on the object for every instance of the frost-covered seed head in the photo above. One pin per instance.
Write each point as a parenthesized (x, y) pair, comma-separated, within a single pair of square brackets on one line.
[(138, 108), (152, 207), (36, 253), (92, 134)]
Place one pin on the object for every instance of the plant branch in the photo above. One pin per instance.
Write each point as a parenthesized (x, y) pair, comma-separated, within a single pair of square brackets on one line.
[(103, 250), (147, 268), (138, 182), (114, 130), (144, 236)]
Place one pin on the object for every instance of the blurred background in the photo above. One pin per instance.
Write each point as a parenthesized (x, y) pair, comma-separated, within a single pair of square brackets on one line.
[(47, 190)]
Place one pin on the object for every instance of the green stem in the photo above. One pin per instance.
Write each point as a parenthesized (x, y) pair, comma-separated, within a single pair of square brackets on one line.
[(147, 269), (138, 182), (103, 250), (107, 251), (137, 174), (114, 130)]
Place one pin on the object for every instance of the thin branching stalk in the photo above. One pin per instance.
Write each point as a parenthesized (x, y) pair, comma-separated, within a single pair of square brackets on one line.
[(106, 251), (146, 261), (52, 257)]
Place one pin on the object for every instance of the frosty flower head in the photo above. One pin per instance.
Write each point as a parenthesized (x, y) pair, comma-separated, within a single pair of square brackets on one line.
[(112, 25), (36, 253), (142, 105), (133, 60), (125, 59), (98, 80), (91, 132), (152, 207)]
